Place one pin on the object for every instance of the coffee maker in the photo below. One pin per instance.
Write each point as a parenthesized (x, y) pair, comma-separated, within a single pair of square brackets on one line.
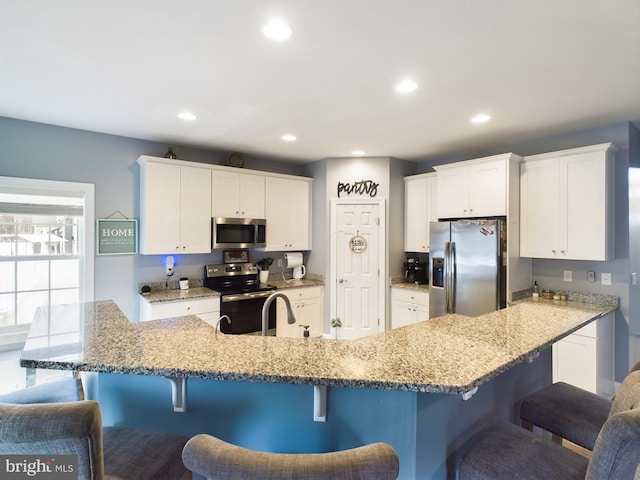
[(416, 271)]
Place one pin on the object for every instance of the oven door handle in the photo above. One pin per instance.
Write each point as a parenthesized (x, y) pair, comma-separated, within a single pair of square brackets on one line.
[(245, 296)]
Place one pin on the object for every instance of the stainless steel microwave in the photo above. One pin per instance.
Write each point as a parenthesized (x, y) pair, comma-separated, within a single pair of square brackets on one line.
[(238, 232)]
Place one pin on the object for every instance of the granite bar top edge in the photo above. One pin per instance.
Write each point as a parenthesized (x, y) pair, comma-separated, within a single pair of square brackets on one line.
[(399, 359)]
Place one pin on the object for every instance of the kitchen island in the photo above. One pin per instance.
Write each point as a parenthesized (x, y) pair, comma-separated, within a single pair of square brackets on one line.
[(396, 386)]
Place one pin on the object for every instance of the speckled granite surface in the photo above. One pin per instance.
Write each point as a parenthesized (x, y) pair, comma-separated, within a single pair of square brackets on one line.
[(291, 283), (411, 286), (450, 354), (159, 296)]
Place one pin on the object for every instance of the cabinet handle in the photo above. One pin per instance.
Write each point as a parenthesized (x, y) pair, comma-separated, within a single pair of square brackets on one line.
[(553, 251), (188, 308), (562, 252), (470, 210)]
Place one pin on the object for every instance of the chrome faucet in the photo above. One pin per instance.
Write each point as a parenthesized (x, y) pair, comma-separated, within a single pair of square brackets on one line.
[(265, 311), (223, 317)]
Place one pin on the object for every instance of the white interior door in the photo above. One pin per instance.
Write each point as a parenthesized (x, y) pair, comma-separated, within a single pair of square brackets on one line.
[(357, 268)]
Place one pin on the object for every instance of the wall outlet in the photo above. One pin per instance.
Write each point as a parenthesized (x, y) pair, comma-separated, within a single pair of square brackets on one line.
[(568, 276), (279, 262), (591, 276), (605, 279)]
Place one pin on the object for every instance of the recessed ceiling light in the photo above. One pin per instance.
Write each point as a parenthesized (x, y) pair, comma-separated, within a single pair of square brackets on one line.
[(481, 118), (406, 86), (358, 152), (187, 116), (288, 137), (277, 30)]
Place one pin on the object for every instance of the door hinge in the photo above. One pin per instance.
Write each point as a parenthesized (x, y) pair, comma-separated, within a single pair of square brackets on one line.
[(378, 221)]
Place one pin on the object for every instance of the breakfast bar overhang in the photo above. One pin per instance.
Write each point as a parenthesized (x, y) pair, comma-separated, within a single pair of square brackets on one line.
[(404, 386)]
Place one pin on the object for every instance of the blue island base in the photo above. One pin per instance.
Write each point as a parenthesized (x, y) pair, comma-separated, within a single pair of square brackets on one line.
[(425, 429)]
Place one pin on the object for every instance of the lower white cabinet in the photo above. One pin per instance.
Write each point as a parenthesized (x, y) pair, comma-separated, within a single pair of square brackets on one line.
[(306, 303), (408, 306), (585, 358), (208, 309)]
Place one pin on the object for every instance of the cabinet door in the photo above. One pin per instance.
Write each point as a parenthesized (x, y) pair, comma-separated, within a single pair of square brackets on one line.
[(160, 209), (225, 194), (312, 316), (251, 196), (539, 214), (487, 189), (299, 215), (402, 314), (195, 210), (584, 192), (416, 215), (277, 213), (574, 362), (453, 192)]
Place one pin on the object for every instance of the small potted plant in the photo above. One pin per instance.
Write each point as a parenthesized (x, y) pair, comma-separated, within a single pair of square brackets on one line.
[(335, 325)]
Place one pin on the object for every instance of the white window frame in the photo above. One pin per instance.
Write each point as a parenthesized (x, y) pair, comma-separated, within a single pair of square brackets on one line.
[(86, 224)]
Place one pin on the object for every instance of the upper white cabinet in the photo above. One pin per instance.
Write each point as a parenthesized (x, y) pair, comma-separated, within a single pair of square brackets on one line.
[(475, 188), (288, 213), (567, 204), (420, 208), (173, 217), (237, 195)]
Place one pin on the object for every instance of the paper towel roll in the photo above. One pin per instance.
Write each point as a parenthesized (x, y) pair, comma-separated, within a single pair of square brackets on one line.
[(294, 259)]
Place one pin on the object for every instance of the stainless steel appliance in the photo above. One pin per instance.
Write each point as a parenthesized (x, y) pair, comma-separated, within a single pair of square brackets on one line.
[(416, 271), (242, 297), (468, 266), (238, 232)]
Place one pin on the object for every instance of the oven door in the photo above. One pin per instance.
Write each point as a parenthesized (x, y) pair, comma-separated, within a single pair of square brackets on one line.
[(245, 312)]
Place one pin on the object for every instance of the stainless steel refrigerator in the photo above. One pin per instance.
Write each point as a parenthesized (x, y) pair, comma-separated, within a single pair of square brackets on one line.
[(468, 267)]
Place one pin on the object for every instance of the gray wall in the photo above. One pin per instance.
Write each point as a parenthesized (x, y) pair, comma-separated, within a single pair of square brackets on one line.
[(35, 150), (550, 273)]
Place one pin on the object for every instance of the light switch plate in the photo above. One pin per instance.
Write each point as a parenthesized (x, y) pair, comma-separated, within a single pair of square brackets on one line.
[(568, 276), (605, 279), (591, 276)]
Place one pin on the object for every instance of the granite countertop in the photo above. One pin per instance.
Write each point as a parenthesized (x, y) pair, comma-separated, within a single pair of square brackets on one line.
[(160, 296), (291, 283), (411, 286), (450, 354)]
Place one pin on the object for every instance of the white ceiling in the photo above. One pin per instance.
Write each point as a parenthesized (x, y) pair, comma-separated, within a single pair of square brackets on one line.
[(127, 67)]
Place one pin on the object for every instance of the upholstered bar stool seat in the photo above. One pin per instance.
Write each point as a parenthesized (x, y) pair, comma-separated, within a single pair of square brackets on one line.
[(568, 412), (63, 390), (506, 452), (216, 459)]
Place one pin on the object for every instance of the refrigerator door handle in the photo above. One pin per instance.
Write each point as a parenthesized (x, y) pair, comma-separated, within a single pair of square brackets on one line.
[(447, 278), (452, 277)]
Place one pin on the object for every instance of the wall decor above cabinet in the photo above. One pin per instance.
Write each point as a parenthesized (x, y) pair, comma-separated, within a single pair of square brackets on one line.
[(476, 188), (567, 204)]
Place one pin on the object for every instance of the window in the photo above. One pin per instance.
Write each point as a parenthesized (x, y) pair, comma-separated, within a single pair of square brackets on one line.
[(46, 249)]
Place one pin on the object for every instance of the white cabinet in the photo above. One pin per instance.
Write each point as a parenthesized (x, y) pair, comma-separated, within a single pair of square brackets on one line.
[(408, 306), (288, 214), (567, 204), (420, 208), (306, 303), (585, 358), (173, 217), (474, 188), (208, 309), (237, 195)]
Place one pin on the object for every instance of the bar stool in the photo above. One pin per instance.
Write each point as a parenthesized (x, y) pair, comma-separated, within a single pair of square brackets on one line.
[(76, 428), (507, 451), (216, 459), (567, 412)]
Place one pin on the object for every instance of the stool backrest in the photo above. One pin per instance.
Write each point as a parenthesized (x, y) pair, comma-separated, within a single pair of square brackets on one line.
[(216, 459), (55, 429), (616, 453)]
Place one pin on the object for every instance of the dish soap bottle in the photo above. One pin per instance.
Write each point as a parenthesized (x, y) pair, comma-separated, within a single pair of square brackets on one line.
[(536, 290)]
